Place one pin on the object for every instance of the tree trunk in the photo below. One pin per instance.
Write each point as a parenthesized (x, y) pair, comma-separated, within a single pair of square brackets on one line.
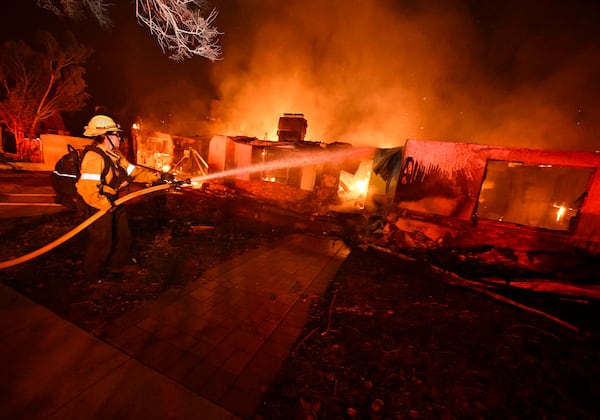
[(21, 142)]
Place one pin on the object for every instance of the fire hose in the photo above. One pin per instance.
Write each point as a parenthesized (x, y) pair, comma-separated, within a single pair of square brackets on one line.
[(85, 224)]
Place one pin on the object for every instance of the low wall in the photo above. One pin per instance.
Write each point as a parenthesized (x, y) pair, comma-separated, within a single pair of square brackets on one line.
[(54, 146)]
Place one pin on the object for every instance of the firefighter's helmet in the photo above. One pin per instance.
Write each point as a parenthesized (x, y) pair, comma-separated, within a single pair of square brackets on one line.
[(100, 124)]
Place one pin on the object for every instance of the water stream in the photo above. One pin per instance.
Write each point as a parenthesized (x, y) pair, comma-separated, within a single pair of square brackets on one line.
[(301, 159)]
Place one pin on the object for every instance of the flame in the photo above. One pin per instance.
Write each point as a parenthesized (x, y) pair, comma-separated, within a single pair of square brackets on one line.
[(561, 210), (560, 213), (360, 186), (357, 185)]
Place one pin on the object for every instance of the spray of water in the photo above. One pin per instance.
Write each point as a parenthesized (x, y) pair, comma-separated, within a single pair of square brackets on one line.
[(301, 159)]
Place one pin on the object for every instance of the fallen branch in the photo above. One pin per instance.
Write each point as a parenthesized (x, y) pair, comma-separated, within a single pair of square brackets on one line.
[(388, 251), (533, 328), (552, 286), (306, 337), (454, 279), (328, 330)]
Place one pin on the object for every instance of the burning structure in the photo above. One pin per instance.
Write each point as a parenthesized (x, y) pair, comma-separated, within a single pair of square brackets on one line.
[(523, 207), (552, 192), (155, 151), (165, 152), (442, 195), (290, 168), (296, 170)]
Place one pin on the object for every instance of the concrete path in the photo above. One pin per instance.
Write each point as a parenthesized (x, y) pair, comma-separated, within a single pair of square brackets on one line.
[(207, 351)]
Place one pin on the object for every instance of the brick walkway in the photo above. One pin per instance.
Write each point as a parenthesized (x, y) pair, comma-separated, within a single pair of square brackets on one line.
[(208, 350)]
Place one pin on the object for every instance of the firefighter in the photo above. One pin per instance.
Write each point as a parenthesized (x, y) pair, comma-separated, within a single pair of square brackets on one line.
[(104, 174)]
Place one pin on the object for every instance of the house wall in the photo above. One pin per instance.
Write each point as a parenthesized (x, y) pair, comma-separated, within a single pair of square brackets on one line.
[(444, 178), (54, 146), (217, 153), (243, 159), (225, 154), (308, 177)]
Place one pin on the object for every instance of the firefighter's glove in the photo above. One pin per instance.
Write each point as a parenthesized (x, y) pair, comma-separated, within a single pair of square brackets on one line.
[(166, 177)]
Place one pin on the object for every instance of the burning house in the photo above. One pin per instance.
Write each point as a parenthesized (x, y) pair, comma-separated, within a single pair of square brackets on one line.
[(442, 195), (283, 169), (291, 169), (535, 203), (164, 152), (154, 150)]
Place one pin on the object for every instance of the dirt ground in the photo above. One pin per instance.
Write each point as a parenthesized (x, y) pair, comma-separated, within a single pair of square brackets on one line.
[(392, 339)]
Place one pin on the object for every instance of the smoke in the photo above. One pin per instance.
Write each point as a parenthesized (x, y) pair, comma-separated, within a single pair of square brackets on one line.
[(377, 73), (515, 73)]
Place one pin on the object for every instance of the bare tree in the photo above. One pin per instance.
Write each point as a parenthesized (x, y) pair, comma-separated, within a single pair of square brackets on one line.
[(178, 25), (38, 83), (76, 9)]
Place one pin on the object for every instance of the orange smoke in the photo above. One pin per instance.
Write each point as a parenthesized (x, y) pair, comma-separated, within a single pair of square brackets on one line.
[(378, 73)]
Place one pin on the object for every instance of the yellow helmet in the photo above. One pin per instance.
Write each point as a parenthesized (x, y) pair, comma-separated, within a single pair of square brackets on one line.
[(100, 124)]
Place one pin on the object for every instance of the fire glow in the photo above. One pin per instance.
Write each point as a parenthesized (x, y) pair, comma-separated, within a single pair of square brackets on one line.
[(560, 212), (355, 88)]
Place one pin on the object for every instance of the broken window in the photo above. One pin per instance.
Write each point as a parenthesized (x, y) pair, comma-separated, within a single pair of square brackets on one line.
[(542, 196)]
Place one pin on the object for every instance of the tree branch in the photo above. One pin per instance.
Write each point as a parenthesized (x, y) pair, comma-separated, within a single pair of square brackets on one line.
[(178, 25), (180, 28)]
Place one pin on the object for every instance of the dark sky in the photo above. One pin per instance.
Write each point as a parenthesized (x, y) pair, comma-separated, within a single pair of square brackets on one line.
[(523, 73)]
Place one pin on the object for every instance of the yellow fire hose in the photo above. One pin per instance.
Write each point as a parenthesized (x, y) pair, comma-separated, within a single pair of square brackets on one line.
[(79, 228)]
